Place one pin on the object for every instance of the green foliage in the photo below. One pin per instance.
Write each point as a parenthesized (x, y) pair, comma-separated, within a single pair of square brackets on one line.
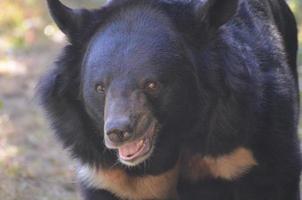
[(21, 23), (1, 104), (296, 6)]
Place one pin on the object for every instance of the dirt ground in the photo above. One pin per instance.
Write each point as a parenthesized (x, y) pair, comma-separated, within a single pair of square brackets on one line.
[(33, 166)]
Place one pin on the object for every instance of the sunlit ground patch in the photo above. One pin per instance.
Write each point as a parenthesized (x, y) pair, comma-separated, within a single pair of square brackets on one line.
[(12, 67), (52, 32)]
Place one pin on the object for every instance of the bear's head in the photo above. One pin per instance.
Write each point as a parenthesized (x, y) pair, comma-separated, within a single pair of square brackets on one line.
[(127, 91)]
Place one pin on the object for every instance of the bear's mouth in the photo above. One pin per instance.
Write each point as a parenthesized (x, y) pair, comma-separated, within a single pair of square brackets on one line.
[(140, 149), (137, 151)]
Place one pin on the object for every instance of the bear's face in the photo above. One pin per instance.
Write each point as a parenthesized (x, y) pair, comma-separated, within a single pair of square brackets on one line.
[(132, 84), (138, 87)]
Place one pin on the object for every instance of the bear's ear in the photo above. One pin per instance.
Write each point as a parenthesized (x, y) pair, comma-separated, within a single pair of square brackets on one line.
[(68, 20), (215, 12)]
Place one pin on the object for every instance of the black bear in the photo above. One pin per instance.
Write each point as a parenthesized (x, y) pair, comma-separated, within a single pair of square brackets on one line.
[(167, 99)]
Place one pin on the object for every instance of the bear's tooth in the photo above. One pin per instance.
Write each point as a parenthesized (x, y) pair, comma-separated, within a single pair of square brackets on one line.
[(141, 142)]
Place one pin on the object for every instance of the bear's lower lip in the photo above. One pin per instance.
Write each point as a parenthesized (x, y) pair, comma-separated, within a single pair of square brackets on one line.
[(134, 150)]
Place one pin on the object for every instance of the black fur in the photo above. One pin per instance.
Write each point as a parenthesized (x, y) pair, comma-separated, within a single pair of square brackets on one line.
[(228, 78)]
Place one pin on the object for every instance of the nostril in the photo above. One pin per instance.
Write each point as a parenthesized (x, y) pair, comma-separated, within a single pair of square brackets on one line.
[(112, 136), (118, 136), (115, 136)]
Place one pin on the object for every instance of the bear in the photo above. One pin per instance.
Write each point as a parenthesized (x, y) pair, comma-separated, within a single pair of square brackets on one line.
[(178, 99)]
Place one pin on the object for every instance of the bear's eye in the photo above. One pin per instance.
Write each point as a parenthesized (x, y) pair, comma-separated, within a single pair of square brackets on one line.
[(151, 86), (100, 88)]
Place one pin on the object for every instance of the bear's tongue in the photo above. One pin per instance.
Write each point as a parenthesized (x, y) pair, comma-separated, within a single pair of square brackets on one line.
[(131, 150)]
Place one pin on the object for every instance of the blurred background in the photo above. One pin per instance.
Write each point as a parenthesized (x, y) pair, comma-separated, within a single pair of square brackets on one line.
[(33, 165)]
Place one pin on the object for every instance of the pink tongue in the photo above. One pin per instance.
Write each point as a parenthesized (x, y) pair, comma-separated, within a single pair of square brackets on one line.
[(128, 151)]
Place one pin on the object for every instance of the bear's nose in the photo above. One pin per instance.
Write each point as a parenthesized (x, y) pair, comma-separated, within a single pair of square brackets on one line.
[(118, 130), (118, 136)]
